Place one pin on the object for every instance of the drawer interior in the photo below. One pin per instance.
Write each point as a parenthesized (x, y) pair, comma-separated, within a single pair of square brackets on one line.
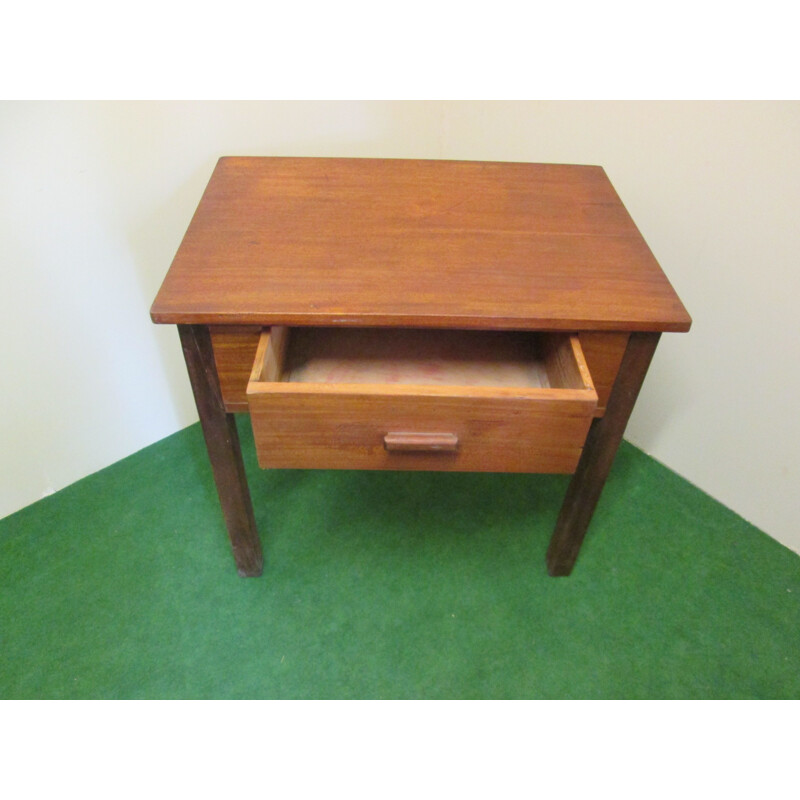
[(421, 357)]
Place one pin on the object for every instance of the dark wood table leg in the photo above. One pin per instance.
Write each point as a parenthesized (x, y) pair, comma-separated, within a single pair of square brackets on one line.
[(601, 446), (224, 451)]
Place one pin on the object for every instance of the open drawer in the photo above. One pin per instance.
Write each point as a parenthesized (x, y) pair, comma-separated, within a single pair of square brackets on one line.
[(390, 398)]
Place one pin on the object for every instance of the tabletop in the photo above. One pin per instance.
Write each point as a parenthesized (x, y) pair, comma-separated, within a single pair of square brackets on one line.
[(415, 243)]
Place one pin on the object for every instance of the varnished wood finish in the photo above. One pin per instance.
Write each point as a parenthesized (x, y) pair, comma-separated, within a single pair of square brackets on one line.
[(499, 429), (421, 442), (601, 446), (222, 441), (603, 352), (234, 351), (382, 242), (297, 428)]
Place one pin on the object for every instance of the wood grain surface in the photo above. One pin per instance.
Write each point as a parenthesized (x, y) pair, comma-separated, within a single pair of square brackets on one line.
[(603, 352), (234, 351), (384, 242), (224, 451), (598, 455)]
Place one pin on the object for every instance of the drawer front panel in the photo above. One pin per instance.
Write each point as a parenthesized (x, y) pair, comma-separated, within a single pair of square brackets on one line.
[(303, 429)]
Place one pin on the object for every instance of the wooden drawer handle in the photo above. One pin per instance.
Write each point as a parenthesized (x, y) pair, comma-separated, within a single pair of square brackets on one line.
[(421, 442)]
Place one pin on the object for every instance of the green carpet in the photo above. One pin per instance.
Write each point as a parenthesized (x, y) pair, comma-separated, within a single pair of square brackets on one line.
[(389, 585)]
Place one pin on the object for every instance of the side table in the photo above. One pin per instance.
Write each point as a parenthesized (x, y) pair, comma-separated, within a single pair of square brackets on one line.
[(412, 314)]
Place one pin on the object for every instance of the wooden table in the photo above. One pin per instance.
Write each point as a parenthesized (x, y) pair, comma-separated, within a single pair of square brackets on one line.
[(404, 314)]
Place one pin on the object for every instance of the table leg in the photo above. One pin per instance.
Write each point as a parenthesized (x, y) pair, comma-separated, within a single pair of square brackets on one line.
[(601, 446), (224, 451)]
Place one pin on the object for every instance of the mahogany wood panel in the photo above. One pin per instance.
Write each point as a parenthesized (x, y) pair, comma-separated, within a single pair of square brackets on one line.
[(383, 242), (234, 351), (603, 353)]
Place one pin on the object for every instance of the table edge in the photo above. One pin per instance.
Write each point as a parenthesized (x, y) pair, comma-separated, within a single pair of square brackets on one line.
[(679, 324)]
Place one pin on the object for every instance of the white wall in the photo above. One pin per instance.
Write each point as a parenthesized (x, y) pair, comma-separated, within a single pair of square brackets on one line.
[(95, 197)]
